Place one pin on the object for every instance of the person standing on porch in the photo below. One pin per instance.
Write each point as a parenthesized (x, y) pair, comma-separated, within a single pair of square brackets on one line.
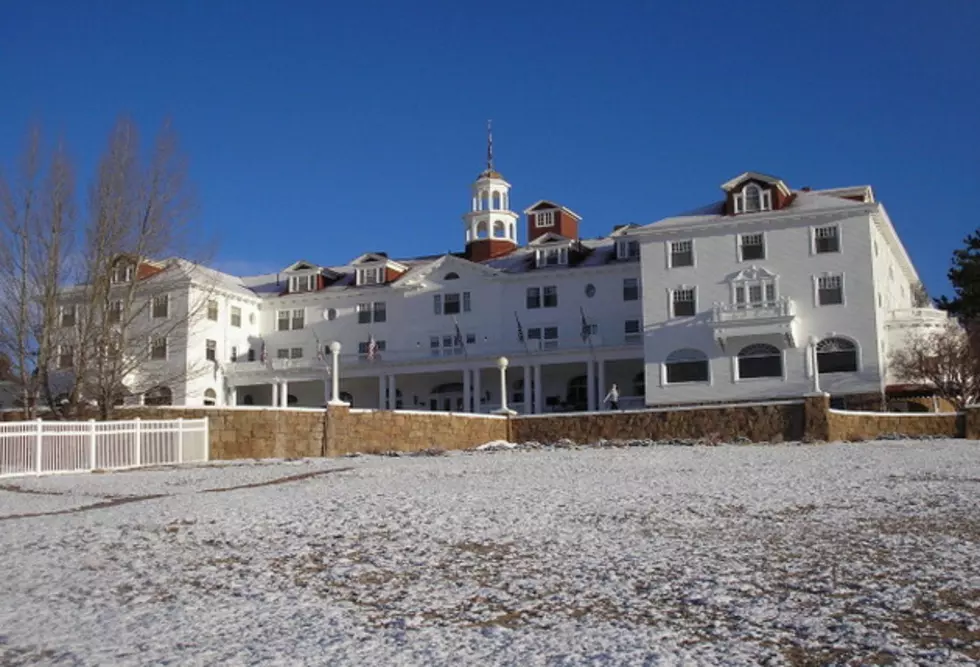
[(612, 398)]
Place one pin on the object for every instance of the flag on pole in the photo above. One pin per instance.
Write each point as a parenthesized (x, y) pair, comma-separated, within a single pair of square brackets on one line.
[(372, 348), (460, 342), (262, 353), (586, 328), (319, 348), (520, 329)]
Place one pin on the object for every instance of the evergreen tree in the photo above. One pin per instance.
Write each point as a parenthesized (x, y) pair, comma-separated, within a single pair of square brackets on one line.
[(965, 278)]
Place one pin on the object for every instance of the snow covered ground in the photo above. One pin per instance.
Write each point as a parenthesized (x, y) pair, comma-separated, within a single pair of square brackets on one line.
[(735, 555)]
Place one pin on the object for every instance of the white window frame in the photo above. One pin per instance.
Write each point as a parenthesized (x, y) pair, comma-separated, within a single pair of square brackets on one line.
[(544, 291), (216, 310), (813, 239), (280, 319), (669, 250), (232, 313), (64, 310), (210, 348), (362, 308), (765, 199), (782, 367), (371, 276), (639, 296), (375, 310), (153, 307), (536, 291), (759, 282), (297, 315), (635, 336), (740, 243), (166, 348), (670, 301), (560, 254), (623, 249), (544, 219), (115, 311), (663, 373), (302, 283), (816, 289)]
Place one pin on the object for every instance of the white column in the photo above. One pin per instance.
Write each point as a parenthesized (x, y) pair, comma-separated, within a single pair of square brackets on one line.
[(502, 367), (602, 382), (233, 396), (816, 368), (284, 394), (335, 374), (467, 391), (382, 392), (590, 381), (538, 390), (392, 393), (477, 390), (528, 381), (275, 394)]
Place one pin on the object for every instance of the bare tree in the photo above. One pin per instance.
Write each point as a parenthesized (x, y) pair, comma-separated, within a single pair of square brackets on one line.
[(36, 227), (946, 359), (920, 297)]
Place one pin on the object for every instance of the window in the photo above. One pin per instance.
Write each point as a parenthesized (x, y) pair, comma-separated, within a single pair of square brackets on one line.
[(158, 396), (363, 313), (161, 306), (455, 303), (302, 283), (466, 302), (211, 350), (452, 275), (547, 337), (122, 274), (437, 304), (552, 256), (533, 297), (546, 219), (632, 331), (755, 293), (449, 345), (210, 397), (295, 353), (550, 296), (213, 310), (158, 348), (751, 247), (631, 289), (760, 361), (68, 315), (687, 365), (753, 199), (830, 290), (234, 353), (380, 312), (66, 356), (299, 318), (373, 276), (683, 303), (681, 254), (115, 311), (283, 319), (826, 239), (282, 353), (236, 316), (627, 249), (837, 355), (363, 348)]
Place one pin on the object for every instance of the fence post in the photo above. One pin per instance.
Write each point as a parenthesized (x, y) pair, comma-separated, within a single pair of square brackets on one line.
[(38, 446), (180, 439), (137, 458), (91, 443)]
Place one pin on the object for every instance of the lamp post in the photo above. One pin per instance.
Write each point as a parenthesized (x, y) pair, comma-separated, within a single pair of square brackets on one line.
[(335, 374), (504, 410), (814, 365)]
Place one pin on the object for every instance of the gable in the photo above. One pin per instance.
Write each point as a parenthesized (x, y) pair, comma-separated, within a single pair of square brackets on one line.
[(551, 238), (764, 180), (543, 206), (752, 273), (301, 265), (437, 270)]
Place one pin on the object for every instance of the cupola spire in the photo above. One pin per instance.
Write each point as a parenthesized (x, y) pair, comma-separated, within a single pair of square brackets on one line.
[(489, 145), (491, 227)]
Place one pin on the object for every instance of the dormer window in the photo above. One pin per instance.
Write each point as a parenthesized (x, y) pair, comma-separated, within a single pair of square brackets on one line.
[(545, 219), (753, 199), (372, 276), (122, 274), (627, 249), (299, 284), (552, 256)]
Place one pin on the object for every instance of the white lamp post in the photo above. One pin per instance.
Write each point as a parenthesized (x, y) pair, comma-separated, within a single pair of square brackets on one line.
[(335, 374), (814, 365), (502, 365)]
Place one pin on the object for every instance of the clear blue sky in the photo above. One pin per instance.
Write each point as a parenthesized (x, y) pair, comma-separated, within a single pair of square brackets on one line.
[(322, 130)]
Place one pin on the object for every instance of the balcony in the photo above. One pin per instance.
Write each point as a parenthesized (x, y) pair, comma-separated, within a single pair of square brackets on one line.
[(739, 324), (903, 323)]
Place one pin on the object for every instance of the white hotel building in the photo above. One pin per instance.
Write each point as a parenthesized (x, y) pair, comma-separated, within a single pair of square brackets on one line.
[(731, 303)]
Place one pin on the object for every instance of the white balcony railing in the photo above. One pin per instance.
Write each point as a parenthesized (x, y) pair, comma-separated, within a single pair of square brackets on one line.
[(924, 316), (782, 308)]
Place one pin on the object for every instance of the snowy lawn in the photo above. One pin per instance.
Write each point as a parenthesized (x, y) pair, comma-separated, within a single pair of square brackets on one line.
[(735, 555)]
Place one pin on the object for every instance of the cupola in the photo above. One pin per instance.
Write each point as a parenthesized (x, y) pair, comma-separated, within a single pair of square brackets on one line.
[(545, 217), (491, 227)]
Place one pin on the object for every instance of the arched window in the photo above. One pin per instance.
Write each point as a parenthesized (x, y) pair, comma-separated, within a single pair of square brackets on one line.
[(484, 198), (752, 196), (687, 365), (837, 355), (577, 395), (481, 230), (452, 275), (760, 361), (210, 397), (158, 396), (496, 201), (498, 230)]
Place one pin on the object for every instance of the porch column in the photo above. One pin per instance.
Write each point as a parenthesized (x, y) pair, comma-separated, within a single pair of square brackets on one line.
[(233, 396), (467, 391), (601, 363), (382, 392), (392, 393), (477, 390), (284, 394), (590, 389), (528, 382), (275, 394), (538, 391)]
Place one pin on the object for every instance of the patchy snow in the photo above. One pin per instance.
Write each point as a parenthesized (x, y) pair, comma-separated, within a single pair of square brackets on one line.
[(735, 555)]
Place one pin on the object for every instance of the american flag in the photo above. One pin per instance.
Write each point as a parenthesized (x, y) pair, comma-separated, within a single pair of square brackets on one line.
[(372, 348), (459, 336), (262, 353), (520, 329), (586, 329), (319, 348)]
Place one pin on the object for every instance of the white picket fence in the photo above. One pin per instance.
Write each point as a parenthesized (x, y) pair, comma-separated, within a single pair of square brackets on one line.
[(50, 447)]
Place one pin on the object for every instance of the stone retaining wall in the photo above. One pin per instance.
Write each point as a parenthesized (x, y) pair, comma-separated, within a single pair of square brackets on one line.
[(373, 431), (870, 425)]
